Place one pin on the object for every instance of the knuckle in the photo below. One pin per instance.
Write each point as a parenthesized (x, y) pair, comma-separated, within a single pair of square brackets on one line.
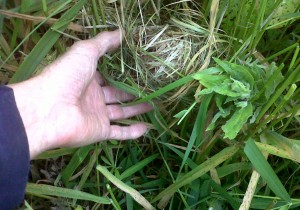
[(85, 47)]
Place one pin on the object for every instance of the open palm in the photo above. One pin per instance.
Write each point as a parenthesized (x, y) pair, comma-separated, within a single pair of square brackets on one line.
[(75, 106)]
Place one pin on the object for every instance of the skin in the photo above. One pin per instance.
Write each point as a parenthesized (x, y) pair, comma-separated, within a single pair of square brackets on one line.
[(69, 105)]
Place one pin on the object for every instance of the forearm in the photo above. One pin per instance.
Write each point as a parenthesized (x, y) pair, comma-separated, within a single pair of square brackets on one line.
[(14, 152)]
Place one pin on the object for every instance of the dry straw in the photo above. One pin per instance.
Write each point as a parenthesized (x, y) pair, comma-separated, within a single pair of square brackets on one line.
[(162, 44)]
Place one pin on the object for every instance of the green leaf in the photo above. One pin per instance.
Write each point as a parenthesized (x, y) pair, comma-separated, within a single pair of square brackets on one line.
[(188, 161), (184, 113), (266, 85), (232, 88), (279, 145), (181, 113), (228, 169), (221, 86), (55, 153), (237, 121), (197, 129), (222, 113), (285, 11), (274, 78), (141, 164), (241, 104), (210, 81), (237, 72), (226, 195), (209, 71), (241, 88), (42, 189), (265, 170), (198, 171), (75, 162), (220, 101), (124, 187), (163, 90)]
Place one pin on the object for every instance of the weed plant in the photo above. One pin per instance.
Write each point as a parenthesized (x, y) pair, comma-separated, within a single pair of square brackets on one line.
[(222, 76)]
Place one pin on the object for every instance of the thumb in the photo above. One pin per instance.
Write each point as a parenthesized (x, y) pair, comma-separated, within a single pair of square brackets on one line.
[(78, 65), (107, 41), (98, 45)]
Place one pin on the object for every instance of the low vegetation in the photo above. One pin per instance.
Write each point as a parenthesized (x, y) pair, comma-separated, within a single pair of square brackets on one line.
[(222, 76)]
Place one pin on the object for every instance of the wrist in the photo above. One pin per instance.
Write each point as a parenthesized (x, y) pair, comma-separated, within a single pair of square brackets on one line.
[(34, 111)]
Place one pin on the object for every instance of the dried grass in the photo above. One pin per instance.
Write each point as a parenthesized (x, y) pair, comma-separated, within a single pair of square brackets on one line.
[(161, 46)]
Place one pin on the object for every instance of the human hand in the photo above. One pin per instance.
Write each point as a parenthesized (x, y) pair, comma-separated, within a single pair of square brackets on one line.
[(68, 104)]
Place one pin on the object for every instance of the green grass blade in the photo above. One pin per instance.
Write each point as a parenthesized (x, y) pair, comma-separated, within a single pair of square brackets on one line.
[(88, 170), (188, 161), (231, 168), (11, 55), (55, 153), (130, 171), (95, 11), (86, 173), (74, 163), (124, 187), (279, 145), (292, 78), (198, 128), (28, 207), (198, 171), (233, 202), (129, 202), (164, 89), (41, 189), (114, 200), (42, 48), (265, 170)]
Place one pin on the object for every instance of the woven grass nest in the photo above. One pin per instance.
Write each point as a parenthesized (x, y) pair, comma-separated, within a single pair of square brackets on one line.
[(160, 49)]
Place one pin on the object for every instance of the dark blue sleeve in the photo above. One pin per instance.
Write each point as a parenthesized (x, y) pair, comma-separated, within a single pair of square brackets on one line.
[(14, 152)]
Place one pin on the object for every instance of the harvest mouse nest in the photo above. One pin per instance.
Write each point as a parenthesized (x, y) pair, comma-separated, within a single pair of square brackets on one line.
[(158, 51), (163, 54)]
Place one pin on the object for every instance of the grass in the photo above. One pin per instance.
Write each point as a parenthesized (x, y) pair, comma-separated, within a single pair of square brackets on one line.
[(223, 78)]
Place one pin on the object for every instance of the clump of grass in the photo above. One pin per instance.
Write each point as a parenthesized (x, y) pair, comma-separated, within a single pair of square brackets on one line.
[(204, 156)]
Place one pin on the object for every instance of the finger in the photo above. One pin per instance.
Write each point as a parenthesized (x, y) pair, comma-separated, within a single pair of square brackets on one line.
[(107, 41), (100, 80), (127, 132), (80, 61), (116, 112), (114, 95), (92, 49)]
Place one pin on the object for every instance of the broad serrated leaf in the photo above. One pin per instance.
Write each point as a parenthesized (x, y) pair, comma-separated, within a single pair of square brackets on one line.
[(221, 114), (220, 101), (209, 71), (226, 89), (237, 72), (237, 121), (241, 88), (210, 81)]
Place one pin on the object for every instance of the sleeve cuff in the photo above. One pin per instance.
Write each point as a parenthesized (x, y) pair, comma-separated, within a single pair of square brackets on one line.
[(14, 152)]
